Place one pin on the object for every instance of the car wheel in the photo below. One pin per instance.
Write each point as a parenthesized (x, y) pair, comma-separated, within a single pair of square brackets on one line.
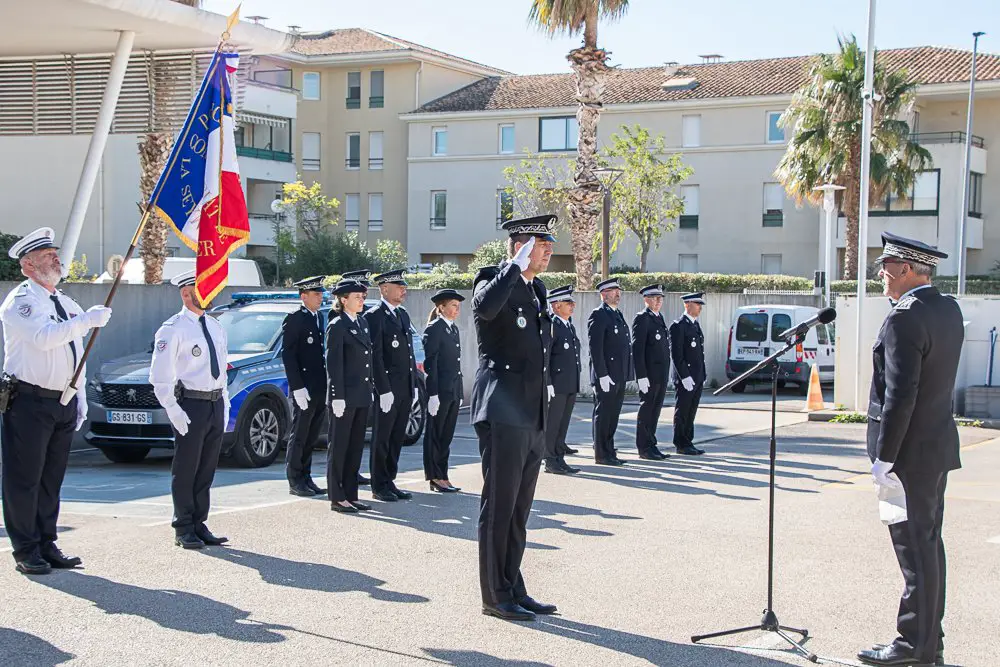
[(417, 419), (261, 432), (124, 454), (739, 387)]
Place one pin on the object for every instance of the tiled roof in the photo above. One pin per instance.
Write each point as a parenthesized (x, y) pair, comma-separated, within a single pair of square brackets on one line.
[(745, 78), (361, 41)]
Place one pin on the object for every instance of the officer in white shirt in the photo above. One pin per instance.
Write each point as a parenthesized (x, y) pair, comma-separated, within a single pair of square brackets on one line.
[(43, 340), (188, 374)]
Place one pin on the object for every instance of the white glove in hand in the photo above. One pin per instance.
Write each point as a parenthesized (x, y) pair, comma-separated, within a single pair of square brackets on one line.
[(179, 419), (338, 406), (882, 476), (97, 316), (81, 411), (606, 383), (433, 404), (301, 397), (225, 416), (385, 401), (643, 385), (688, 384), (552, 392), (522, 258)]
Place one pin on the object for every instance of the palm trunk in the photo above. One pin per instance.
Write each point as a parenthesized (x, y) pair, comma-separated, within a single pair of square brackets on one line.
[(154, 149), (852, 210)]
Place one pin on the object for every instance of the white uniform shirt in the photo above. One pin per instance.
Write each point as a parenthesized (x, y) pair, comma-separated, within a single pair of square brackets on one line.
[(180, 354), (36, 344)]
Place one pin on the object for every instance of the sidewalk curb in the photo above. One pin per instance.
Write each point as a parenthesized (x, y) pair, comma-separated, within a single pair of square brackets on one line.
[(829, 415)]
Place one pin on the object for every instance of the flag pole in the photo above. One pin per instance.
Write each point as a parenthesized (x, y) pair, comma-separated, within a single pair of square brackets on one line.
[(147, 210)]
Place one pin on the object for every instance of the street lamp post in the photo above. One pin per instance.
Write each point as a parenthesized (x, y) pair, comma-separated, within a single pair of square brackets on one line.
[(964, 204), (608, 176), (829, 191)]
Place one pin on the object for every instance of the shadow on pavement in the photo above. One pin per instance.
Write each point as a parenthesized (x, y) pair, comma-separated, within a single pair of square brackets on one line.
[(453, 657), (19, 649)]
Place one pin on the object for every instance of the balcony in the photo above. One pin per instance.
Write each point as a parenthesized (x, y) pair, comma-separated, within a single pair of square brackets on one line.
[(375, 163), (439, 223), (953, 137), (353, 102), (352, 163), (264, 154), (376, 102), (262, 229)]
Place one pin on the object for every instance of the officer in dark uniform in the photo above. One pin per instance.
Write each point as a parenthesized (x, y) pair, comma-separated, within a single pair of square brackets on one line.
[(362, 276), (395, 381), (912, 438), (509, 410), (687, 347), (651, 352), (445, 390), (610, 369), (302, 354), (564, 373)]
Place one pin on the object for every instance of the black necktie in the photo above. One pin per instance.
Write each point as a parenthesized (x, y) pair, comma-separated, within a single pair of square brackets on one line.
[(61, 312), (212, 357)]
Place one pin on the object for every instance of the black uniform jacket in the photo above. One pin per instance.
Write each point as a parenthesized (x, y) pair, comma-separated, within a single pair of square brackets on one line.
[(564, 364), (349, 360), (514, 333), (302, 352), (392, 346), (610, 348), (651, 347), (910, 418), (687, 348), (443, 361)]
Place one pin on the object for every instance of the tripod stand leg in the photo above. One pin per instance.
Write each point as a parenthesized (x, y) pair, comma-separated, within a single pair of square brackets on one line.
[(697, 638), (804, 633), (799, 647)]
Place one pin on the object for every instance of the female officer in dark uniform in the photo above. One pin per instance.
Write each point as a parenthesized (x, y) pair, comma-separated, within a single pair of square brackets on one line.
[(443, 367), (349, 368)]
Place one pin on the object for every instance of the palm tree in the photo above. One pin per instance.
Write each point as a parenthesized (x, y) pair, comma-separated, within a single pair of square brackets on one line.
[(590, 65), (825, 117)]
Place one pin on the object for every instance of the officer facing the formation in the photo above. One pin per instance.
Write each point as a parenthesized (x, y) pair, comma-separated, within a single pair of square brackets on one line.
[(43, 340), (912, 438), (564, 376), (651, 352), (509, 406), (188, 377), (610, 369), (687, 347), (395, 381), (302, 354), (443, 368)]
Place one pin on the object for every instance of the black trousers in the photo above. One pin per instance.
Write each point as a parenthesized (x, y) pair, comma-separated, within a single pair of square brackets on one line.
[(607, 409), (196, 456), (650, 405), (511, 458), (437, 440), (36, 438), (560, 413), (343, 456), (685, 409), (302, 438), (387, 441), (920, 552)]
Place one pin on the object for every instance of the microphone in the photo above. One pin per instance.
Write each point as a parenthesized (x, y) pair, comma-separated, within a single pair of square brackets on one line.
[(824, 316)]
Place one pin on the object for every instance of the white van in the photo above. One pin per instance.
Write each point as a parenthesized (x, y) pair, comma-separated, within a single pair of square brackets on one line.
[(754, 335), (242, 272)]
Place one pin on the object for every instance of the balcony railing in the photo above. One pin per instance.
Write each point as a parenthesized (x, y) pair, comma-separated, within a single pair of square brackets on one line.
[(266, 217), (279, 78), (352, 163), (310, 163), (439, 223), (954, 137), (376, 102), (688, 222), (352, 225), (264, 154), (374, 163), (773, 219), (353, 102), (375, 225)]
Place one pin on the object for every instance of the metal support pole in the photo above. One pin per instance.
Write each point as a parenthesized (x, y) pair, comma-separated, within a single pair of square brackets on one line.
[(829, 204), (605, 233), (963, 205)]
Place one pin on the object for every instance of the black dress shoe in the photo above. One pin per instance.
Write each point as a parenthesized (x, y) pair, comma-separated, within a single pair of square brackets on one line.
[(361, 507), (650, 456), (570, 470), (385, 496), (344, 509), (555, 469), (509, 611), (938, 657), (56, 558), (301, 490), (606, 462), (617, 461), (402, 495), (891, 656), (536, 607), (315, 489), (689, 451), (363, 481), (188, 541), (570, 450), (33, 564), (442, 489), (660, 455), (206, 536)]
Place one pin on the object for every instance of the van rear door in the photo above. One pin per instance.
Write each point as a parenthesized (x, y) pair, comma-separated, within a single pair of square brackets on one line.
[(750, 335)]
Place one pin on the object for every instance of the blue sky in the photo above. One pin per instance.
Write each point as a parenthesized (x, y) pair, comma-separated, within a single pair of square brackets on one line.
[(653, 32)]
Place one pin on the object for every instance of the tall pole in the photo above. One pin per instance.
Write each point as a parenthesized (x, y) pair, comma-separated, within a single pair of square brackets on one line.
[(829, 203), (963, 206), (605, 233)]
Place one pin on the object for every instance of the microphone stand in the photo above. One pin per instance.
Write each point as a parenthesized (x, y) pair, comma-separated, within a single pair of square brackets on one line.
[(769, 622)]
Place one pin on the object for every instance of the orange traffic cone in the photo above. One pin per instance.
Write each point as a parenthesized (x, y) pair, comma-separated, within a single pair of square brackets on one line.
[(815, 398)]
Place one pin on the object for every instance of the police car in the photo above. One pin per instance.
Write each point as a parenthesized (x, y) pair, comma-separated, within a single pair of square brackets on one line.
[(127, 422)]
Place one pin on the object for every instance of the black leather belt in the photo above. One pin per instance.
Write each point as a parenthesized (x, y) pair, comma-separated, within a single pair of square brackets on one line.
[(28, 388), (213, 395)]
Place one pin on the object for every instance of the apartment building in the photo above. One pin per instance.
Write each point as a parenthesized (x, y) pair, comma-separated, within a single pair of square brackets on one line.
[(722, 117)]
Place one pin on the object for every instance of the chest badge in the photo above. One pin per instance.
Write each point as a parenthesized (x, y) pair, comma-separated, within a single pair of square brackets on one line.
[(195, 351), (309, 340), (616, 330), (565, 346), (395, 343), (521, 321), (694, 343), (354, 331), (658, 336)]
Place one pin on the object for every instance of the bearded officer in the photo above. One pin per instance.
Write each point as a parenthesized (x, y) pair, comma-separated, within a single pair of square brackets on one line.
[(610, 369), (651, 352), (302, 352), (509, 410), (43, 340), (912, 438), (687, 349), (564, 373), (188, 378)]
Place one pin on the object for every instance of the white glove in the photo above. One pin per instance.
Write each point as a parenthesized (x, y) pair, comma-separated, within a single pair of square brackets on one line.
[(433, 403), (688, 384), (97, 316), (882, 476), (301, 397), (522, 258), (643, 385), (606, 383), (81, 411), (225, 416), (338, 406), (552, 392), (385, 401), (179, 419)]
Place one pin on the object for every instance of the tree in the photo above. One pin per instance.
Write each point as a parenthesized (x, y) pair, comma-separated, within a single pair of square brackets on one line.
[(389, 254), (825, 118), (490, 253), (312, 211), (534, 187), (590, 65), (643, 200), (331, 254), (10, 269)]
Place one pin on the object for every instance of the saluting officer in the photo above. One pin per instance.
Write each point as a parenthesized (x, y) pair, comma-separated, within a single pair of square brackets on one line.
[(443, 368), (395, 380), (687, 348), (610, 369), (302, 355), (188, 378), (651, 352), (509, 406), (564, 375), (43, 340)]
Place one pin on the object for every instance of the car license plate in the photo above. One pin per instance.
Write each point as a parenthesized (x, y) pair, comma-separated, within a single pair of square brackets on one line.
[(751, 351), (118, 417)]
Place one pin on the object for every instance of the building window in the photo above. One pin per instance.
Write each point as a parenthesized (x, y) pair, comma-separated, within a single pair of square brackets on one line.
[(690, 195), (352, 219), (353, 160), (374, 150), (439, 209), (690, 131), (375, 212), (376, 90), (975, 194), (775, 134), (770, 265), (558, 134), (506, 138), (310, 151), (310, 86), (440, 135), (239, 136), (505, 206), (774, 204), (354, 90), (687, 263), (922, 198)]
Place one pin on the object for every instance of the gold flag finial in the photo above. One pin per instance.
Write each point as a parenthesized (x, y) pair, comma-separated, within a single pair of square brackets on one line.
[(233, 19)]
